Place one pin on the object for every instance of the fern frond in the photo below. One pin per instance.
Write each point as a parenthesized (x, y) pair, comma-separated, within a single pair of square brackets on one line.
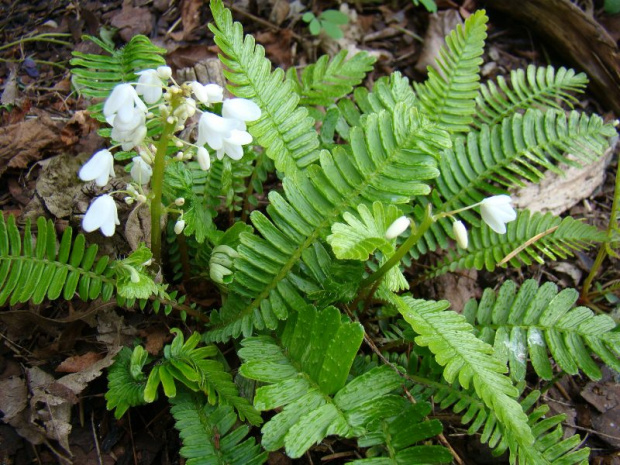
[(394, 438), (328, 80), (208, 435), (34, 270), (125, 386), (448, 96), (389, 159), (96, 75), (518, 150), (536, 322), (532, 237), (306, 371), (466, 359), (537, 86), (285, 129)]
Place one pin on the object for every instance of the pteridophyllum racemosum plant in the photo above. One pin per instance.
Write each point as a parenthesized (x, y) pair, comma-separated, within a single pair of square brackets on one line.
[(314, 279)]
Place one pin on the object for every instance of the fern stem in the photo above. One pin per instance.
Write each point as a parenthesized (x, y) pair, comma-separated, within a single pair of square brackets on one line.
[(603, 250), (157, 184), (402, 250)]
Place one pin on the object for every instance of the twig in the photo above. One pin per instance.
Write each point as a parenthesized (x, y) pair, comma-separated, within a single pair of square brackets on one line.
[(526, 244), (262, 21), (94, 430)]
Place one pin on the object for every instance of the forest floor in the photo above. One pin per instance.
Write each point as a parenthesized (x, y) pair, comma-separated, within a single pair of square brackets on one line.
[(46, 134)]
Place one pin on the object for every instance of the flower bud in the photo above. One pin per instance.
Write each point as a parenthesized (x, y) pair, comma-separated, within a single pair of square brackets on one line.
[(179, 226), (179, 202), (397, 227), (460, 234), (141, 198)]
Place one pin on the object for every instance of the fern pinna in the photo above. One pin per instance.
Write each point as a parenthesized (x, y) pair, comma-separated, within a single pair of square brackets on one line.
[(296, 281)]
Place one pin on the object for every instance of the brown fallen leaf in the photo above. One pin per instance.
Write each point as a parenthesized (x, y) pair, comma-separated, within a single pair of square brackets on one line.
[(277, 46), (78, 363), (190, 19), (132, 21), (440, 25)]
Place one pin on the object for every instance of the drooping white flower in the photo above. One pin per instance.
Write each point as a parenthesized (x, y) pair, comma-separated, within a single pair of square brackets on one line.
[(241, 110), (123, 95), (149, 85), (203, 158), (129, 127), (102, 215), (460, 234), (100, 167), (399, 226), (232, 146), (179, 226), (208, 93), (164, 72), (496, 211), (212, 129), (141, 171)]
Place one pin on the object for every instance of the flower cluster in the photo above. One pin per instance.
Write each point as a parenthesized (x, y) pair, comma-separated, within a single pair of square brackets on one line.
[(127, 110)]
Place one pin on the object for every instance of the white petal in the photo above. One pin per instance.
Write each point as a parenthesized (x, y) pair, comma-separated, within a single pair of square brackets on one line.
[(120, 95), (215, 93), (212, 129), (241, 109), (141, 171), (239, 137), (493, 223), (398, 227), (203, 158), (234, 151), (101, 214), (99, 167), (164, 72), (460, 234)]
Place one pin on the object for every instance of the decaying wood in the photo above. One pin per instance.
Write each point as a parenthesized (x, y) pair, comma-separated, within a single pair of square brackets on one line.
[(577, 36)]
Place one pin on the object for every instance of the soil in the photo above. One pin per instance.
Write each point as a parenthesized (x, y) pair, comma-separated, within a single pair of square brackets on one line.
[(63, 347)]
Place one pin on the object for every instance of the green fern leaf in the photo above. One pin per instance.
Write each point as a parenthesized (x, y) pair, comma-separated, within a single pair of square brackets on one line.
[(125, 386), (448, 96), (537, 86), (208, 435), (306, 371), (394, 438), (285, 130), (517, 150), (540, 321), (389, 159), (328, 80), (34, 272), (466, 359), (532, 237)]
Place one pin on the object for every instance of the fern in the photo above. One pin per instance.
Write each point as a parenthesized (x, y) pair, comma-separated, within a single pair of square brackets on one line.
[(540, 86), (328, 80), (34, 270), (208, 435), (395, 437), (390, 159), (285, 130), (306, 372), (466, 360), (448, 96), (532, 237), (540, 321), (95, 75), (125, 385)]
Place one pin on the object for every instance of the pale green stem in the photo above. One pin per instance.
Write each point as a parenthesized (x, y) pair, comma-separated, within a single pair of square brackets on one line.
[(402, 250)]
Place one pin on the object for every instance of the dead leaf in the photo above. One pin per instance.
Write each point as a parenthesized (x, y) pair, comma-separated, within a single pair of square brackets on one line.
[(277, 46), (155, 339), (604, 396), (9, 95), (138, 226), (27, 141), (78, 363), (190, 19), (132, 21), (440, 25)]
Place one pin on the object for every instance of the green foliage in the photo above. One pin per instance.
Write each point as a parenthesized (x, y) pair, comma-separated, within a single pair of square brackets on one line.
[(391, 440), (538, 322), (531, 238), (537, 86), (126, 382), (95, 75), (208, 435), (305, 371), (448, 96), (328, 21), (328, 80), (32, 270), (430, 5)]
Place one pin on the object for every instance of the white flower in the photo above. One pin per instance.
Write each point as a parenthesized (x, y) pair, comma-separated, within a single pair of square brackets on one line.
[(102, 215), (149, 85), (241, 110), (164, 72), (212, 129), (123, 95), (100, 167), (129, 127), (496, 211), (397, 227), (231, 146), (203, 158), (207, 94), (179, 226), (460, 234), (141, 171)]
